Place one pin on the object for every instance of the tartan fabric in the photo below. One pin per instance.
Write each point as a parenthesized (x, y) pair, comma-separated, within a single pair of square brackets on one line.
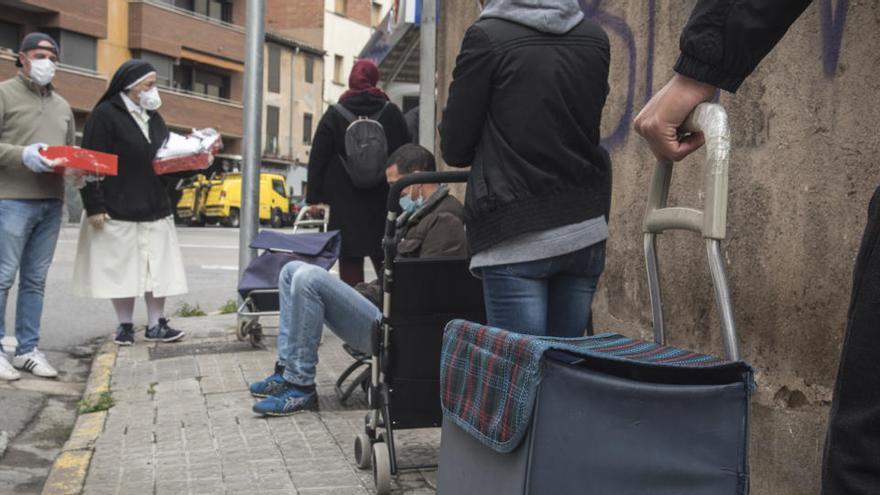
[(489, 377)]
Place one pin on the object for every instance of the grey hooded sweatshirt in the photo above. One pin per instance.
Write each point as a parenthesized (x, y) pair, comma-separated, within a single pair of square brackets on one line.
[(547, 16)]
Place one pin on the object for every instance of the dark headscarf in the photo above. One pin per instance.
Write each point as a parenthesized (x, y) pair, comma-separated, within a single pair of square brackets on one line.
[(125, 75), (364, 76)]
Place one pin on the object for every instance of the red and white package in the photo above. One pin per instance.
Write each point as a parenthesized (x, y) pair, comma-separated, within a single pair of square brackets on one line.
[(187, 153), (82, 162)]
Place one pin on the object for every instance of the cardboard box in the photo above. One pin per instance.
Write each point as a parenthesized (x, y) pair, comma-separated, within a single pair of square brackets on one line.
[(82, 161)]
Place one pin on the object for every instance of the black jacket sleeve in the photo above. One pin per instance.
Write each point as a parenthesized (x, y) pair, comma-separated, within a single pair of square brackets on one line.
[(323, 148), (468, 103), (97, 136), (724, 40)]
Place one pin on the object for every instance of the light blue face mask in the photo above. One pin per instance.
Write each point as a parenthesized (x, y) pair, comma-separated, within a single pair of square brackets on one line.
[(408, 205)]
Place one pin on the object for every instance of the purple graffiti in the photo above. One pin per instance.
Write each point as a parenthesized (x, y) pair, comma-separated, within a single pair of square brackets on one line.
[(592, 9), (832, 33)]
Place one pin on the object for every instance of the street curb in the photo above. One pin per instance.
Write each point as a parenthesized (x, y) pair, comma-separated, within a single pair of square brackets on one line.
[(68, 472)]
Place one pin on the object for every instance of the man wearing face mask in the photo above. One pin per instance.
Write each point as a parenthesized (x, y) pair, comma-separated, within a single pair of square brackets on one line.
[(32, 116), (430, 227), (128, 246)]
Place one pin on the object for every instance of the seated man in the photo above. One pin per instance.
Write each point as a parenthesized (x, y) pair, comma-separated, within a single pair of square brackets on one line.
[(310, 297)]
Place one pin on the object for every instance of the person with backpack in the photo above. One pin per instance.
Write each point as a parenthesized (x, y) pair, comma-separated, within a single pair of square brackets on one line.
[(347, 167)]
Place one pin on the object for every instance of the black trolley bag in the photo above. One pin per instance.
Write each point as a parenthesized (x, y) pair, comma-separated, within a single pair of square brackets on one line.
[(605, 414)]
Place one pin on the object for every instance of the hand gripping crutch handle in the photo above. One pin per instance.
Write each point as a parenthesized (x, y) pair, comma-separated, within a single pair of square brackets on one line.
[(711, 222)]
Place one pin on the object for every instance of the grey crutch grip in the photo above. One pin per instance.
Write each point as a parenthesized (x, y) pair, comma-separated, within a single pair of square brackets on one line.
[(711, 222)]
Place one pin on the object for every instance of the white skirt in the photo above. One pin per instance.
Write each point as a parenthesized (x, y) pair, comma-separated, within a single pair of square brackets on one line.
[(127, 259)]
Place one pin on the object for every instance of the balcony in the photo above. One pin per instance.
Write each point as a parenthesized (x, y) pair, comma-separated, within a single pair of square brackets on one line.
[(167, 30), (80, 88), (186, 111), (87, 17)]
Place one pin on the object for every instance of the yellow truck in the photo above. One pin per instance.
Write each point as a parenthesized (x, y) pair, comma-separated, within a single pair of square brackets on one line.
[(223, 202), (193, 195)]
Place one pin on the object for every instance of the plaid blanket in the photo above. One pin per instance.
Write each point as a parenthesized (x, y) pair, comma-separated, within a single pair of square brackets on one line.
[(489, 377)]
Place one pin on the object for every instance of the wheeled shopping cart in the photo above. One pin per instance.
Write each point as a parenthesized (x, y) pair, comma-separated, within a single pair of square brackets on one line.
[(605, 414), (258, 287)]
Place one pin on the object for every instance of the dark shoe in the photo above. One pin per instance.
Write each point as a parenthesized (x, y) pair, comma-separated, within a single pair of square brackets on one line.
[(124, 334), (272, 385), (291, 401), (163, 333)]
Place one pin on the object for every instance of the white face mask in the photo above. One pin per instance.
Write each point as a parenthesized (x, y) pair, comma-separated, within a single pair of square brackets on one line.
[(42, 71), (150, 100)]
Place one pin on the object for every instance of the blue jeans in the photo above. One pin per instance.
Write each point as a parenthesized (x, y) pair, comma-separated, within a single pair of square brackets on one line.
[(550, 297), (310, 297), (28, 234)]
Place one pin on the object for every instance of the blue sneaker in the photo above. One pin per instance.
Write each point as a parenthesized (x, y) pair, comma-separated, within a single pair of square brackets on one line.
[(291, 401), (272, 385)]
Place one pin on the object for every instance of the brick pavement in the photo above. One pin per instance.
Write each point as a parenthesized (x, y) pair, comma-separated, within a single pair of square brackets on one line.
[(183, 425)]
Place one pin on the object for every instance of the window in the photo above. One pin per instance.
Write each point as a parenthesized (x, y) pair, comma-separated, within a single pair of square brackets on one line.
[(337, 69), (164, 65), (272, 120), (219, 10), (307, 129), (278, 186), (77, 50), (274, 82), (310, 69), (377, 13), (341, 7), (9, 35), (196, 78)]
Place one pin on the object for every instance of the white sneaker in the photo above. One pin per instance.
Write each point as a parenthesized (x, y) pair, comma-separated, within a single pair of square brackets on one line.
[(7, 372), (35, 362)]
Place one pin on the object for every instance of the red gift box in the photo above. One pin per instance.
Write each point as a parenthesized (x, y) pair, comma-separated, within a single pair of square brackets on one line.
[(188, 163), (83, 161)]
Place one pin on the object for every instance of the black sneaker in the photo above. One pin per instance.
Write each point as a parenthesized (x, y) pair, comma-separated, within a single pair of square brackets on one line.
[(124, 334), (163, 333)]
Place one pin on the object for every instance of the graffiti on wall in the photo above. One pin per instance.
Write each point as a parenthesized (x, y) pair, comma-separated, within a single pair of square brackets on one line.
[(832, 16)]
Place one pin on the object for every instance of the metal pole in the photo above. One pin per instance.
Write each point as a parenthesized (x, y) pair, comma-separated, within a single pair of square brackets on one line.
[(427, 71), (253, 139)]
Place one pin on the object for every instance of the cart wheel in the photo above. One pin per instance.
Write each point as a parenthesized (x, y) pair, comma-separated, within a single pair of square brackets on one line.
[(362, 450), (381, 469), (255, 335), (244, 329)]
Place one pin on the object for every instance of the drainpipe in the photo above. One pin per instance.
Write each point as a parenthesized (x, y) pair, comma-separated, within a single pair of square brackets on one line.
[(290, 149), (252, 142), (427, 71)]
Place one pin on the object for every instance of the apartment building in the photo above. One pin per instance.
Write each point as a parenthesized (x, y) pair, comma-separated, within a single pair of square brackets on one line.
[(340, 27), (197, 47), (292, 104)]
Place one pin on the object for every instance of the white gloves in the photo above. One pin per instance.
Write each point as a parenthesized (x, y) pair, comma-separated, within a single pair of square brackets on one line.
[(33, 160), (99, 220)]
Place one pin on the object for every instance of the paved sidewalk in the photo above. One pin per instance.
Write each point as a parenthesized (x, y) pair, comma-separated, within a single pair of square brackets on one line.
[(182, 424)]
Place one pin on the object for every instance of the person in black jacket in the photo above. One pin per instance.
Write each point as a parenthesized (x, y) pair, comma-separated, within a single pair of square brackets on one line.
[(127, 243), (524, 112), (721, 45), (358, 213)]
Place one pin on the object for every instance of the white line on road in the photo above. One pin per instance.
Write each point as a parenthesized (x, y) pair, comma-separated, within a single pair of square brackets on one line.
[(189, 246), (219, 267)]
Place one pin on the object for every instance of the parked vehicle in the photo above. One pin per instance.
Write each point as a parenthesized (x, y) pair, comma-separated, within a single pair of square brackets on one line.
[(193, 196), (224, 201)]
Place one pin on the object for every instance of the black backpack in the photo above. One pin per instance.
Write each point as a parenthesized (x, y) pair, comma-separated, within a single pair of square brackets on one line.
[(366, 148)]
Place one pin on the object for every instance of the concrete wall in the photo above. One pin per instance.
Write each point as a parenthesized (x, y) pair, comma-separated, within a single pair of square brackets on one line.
[(804, 163)]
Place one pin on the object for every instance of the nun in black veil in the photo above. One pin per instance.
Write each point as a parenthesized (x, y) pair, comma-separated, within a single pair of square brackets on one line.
[(128, 245)]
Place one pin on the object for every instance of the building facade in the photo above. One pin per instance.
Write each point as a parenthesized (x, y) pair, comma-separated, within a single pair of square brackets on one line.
[(340, 27), (197, 47), (292, 104)]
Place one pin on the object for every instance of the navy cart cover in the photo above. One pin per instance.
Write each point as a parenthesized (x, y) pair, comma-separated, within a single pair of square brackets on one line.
[(489, 377), (321, 249)]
